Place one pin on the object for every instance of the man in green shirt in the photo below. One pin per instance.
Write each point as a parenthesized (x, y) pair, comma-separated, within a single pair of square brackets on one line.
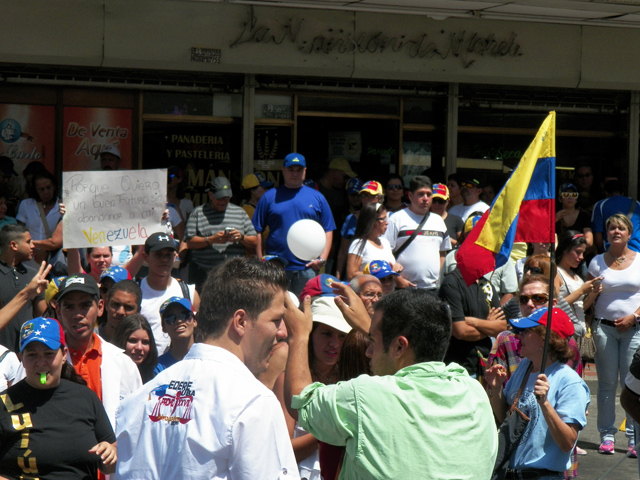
[(417, 417)]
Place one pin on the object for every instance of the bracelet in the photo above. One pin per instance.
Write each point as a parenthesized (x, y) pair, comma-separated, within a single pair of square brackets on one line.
[(321, 260), (241, 237), (206, 239)]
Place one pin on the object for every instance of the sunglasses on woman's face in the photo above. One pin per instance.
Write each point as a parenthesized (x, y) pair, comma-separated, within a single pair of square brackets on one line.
[(569, 194), (535, 298), (172, 319), (394, 187)]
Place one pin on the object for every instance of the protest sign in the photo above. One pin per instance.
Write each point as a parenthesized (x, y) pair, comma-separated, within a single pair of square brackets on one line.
[(112, 207)]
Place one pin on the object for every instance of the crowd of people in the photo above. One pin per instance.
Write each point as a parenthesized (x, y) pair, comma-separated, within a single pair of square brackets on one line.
[(374, 360)]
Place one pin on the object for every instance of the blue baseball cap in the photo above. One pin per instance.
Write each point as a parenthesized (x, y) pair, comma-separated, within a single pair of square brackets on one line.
[(184, 302), (276, 258), (379, 269), (294, 159), (116, 274), (353, 186), (43, 330)]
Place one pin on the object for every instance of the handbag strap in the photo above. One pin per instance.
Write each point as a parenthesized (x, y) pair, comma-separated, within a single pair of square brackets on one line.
[(632, 208), (47, 231), (514, 405), (412, 237)]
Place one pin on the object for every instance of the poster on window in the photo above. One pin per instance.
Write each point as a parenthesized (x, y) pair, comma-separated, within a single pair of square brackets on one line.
[(416, 157), (345, 145), (201, 152), (89, 131), (27, 134)]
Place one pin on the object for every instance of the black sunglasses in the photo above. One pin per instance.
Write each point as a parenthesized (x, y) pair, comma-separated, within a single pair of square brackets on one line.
[(394, 187), (439, 201), (184, 316), (535, 298)]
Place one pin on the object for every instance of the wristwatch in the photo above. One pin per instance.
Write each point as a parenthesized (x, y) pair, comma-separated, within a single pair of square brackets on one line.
[(321, 260), (636, 316)]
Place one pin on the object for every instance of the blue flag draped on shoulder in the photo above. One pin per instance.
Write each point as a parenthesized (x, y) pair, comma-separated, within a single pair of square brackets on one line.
[(523, 211)]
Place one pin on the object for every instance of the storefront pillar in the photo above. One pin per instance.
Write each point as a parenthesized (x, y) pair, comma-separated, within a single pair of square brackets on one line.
[(452, 130), (634, 137), (248, 121)]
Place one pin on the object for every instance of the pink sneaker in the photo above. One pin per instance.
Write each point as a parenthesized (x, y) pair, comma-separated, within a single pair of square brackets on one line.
[(631, 451), (607, 447)]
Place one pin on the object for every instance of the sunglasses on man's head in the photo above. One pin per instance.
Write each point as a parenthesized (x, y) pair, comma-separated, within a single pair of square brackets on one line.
[(535, 298), (172, 319)]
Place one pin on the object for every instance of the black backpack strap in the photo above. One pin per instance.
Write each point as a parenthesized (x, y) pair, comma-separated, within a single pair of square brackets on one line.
[(412, 237), (185, 289)]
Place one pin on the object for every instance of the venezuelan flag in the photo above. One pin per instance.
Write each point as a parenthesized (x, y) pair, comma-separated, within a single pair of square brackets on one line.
[(523, 211)]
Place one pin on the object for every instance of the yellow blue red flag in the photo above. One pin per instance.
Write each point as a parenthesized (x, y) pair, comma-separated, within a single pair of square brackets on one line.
[(523, 211)]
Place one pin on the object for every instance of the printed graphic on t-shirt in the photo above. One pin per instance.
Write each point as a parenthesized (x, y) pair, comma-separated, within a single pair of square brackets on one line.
[(174, 402)]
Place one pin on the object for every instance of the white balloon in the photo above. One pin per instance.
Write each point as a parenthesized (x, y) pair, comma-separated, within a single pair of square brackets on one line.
[(306, 239)]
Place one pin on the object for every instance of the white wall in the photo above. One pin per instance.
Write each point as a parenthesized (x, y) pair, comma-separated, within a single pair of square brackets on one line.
[(159, 34)]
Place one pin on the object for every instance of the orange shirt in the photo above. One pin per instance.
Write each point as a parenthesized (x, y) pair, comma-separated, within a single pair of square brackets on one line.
[(88, 365)]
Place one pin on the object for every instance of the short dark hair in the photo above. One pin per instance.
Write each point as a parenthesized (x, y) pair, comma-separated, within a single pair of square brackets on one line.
[(11, 233), (613, 186), (455, 177), (128, 286), (420, 317), (240, 283), (419, 181)]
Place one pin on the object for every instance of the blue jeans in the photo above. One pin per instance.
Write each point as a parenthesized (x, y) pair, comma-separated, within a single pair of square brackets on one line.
[(298, 279), (613, 357)]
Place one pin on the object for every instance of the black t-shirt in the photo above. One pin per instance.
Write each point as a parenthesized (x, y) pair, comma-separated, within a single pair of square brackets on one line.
[(454, 226), (473, 301), (48, 433)]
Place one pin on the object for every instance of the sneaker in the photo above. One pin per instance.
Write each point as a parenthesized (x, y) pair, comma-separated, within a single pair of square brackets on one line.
[(631, 451), (607, 447)]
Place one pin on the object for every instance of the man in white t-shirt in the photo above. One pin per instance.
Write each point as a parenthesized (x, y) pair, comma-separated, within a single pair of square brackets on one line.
[(423, 258), (470, 191), (159, 285)]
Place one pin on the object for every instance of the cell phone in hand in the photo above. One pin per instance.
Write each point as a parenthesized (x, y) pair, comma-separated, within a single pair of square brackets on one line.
[(228, 230)]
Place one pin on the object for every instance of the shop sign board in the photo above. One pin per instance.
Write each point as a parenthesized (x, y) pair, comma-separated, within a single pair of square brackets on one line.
[(87, 131), (27, 134)]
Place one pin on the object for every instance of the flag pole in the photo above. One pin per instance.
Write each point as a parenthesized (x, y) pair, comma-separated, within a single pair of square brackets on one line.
[(552, 278)]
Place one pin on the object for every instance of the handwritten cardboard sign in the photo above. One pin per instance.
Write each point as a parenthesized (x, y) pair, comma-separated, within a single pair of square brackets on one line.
[(120, 207)]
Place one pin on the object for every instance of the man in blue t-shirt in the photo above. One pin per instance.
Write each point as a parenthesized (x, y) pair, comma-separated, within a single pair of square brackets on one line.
[(615, 203), (280, 208)]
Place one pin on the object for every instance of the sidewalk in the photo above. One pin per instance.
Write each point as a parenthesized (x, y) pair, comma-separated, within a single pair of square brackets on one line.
[(595, 466)]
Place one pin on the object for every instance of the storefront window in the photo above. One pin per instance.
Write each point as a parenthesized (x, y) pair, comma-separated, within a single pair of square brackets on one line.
[(203, 151), (350, 105), (274, 106)]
